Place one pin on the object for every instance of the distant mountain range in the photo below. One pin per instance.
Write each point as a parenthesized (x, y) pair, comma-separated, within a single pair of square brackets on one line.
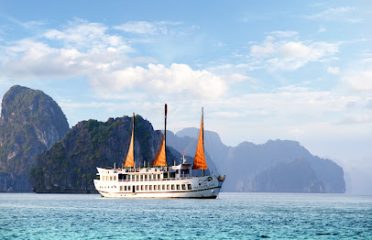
[(276, 166), (38, 151)]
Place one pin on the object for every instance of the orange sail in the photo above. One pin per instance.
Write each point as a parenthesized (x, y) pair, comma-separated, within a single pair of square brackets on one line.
[(161, 157), (199, 159), (129, 160)]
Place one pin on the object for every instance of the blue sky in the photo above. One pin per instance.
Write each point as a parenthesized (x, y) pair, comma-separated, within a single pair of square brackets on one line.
[(263, 70)]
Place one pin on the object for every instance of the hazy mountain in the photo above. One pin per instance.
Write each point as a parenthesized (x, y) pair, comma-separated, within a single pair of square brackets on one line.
[(70, 165), (30, 123), (277, 166)]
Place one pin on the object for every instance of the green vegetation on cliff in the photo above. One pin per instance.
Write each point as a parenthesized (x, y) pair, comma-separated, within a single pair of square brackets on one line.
[(70, 165)]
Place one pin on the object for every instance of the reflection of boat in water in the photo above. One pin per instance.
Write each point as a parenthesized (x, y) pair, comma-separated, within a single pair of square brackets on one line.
[(160, 180)]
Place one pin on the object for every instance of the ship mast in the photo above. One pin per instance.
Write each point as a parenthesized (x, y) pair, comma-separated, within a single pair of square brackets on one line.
[(161, 156)]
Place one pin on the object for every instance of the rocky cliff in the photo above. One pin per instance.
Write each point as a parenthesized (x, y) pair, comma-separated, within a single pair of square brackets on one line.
[(31, 122), (70, 165)]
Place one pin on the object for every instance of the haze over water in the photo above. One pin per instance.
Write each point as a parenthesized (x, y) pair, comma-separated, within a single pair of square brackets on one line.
[(232, 216)]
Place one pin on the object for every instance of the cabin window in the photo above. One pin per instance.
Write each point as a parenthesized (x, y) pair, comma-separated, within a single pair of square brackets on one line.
[(141, 177), (128, 188), (137, 187), (163, 187), (172, 175), (121, 177), (146, 187), (150, 187), (189, 186), (172, 187), (183, 187), (167, 187), (110, 178), (141, 187), (145, 177), (165, 175), (178, 187), (114, 178), (158, 176), (155, 187), (121, 188)]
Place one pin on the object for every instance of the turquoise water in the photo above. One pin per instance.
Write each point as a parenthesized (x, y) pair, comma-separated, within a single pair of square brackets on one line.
[(232, 216)]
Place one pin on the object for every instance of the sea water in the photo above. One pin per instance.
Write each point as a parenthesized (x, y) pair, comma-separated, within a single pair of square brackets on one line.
[(231, 216)]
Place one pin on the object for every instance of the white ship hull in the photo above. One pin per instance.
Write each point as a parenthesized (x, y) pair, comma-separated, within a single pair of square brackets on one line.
[(180, 187), (208, 193)]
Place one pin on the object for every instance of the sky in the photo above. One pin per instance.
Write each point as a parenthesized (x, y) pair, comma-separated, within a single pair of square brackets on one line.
[(298, 70)]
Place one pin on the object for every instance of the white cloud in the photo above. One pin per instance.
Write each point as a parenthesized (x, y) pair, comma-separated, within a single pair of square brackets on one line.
[(79, 49), (359, 80), (233, 73), (333, 70), (28, 25), (344, 14), (83, 49), (286, 54), (86, 35), (145, 27), (322, 29), (157, 80), (284, 34)]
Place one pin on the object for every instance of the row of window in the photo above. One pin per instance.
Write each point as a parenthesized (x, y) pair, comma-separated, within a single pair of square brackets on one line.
[(164, 187), (141, 177), (108, 178)]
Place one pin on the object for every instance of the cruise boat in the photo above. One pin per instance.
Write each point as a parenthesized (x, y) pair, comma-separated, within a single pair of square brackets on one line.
[(159, 180)]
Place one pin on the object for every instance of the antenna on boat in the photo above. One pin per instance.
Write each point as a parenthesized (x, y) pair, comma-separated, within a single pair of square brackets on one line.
[(134, 151), (202, 132), (165, 129)]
